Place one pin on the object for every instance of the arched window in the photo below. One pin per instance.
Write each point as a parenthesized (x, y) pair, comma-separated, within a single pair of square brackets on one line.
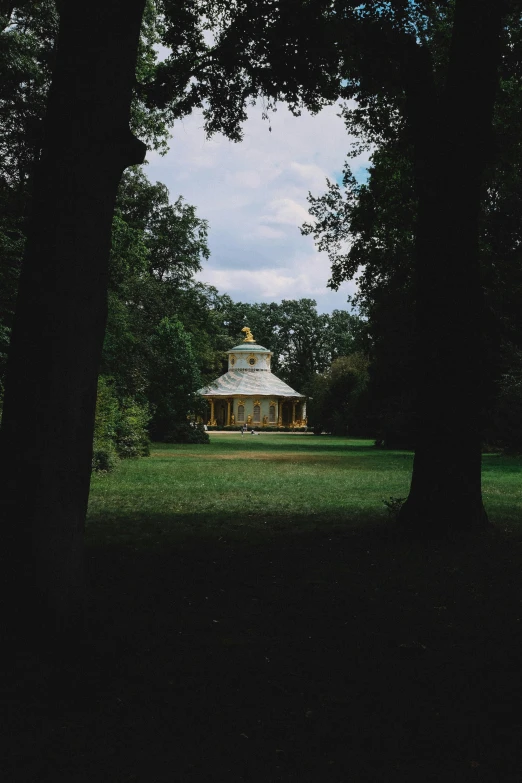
[(272, 414), (241, 413), (257, 414)]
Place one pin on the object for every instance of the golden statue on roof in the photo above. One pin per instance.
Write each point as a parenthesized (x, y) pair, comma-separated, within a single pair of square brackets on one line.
[(249, 338)]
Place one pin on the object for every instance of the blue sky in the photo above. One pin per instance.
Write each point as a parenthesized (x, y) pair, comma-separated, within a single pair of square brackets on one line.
[(254, 196)]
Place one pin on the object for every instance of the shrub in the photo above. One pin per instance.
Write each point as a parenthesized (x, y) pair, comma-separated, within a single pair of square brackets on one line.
[(120, 428), (187, 433), (132, 439), (104, 456)]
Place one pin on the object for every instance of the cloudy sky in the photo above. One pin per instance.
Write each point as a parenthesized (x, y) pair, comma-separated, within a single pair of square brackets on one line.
[(254, 196)]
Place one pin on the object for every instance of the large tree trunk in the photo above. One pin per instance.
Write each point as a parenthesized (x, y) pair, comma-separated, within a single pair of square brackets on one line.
[(453, 141), (47, 427)]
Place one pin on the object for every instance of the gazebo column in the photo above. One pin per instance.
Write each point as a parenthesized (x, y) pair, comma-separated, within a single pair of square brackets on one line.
[(279, 412), (228, 413), (294, 403), (304, 412), (212, 419)]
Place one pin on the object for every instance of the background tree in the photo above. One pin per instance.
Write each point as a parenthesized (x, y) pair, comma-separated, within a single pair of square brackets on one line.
[(303, 335), (27, 57), (174, 382), (369, 231), (337, 397), (156, 249), (303, 341)]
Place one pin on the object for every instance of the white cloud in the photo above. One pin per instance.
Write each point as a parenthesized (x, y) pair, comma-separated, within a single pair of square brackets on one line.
[(287, 211), (254, 196), (311, 175), (266, 284)]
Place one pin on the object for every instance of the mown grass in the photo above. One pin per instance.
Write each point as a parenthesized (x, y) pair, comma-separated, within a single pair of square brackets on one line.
[(253, 617), (250, 486)]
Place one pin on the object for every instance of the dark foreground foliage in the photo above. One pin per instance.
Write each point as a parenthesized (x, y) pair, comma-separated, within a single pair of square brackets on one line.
[(326, 657)]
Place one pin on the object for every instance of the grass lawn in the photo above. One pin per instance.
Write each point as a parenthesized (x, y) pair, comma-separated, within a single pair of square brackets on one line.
[(245, 487), (253, 616)]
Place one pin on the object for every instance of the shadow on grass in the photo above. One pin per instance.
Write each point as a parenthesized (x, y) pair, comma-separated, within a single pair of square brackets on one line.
[(501, 462), (251, 527), (333, 655)]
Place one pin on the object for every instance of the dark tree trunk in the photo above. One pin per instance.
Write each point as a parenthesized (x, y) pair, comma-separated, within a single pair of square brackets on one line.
[(47, 427), (453, 140)]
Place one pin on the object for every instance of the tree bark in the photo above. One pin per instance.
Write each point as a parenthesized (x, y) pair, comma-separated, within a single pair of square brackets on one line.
[(50, 394), (452, 138)]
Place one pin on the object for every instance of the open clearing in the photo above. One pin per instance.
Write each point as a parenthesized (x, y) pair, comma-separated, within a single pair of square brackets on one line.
[(249, 487), (259, 620)]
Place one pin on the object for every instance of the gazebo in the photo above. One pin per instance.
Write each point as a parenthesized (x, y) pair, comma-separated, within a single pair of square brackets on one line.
[(250, 394)]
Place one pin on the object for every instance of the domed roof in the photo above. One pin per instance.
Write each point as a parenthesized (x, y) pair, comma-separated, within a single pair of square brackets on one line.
[(247, 384), (248, 347), (249, 375)]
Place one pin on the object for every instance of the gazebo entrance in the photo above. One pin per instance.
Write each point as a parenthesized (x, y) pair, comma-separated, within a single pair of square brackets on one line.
[(221, 413), (286, 414)]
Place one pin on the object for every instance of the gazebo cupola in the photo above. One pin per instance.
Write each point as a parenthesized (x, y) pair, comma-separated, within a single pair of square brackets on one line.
[(249, 355)]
